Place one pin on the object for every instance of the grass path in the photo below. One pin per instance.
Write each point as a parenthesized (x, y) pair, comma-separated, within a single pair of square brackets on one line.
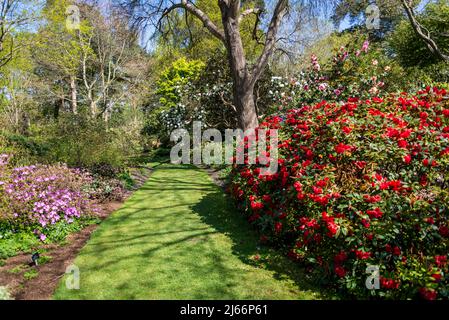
[(179, 238)]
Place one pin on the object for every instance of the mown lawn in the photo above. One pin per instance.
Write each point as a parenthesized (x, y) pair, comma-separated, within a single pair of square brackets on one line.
[(178, 237)]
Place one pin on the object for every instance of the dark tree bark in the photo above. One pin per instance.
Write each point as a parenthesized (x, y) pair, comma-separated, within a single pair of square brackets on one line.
[(244, 77)]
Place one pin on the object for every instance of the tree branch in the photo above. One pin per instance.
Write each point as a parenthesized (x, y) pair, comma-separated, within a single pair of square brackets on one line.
[(256, 11), (270, 40), (207, 22)]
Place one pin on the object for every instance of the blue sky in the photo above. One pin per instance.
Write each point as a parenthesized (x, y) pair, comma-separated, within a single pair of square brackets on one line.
[(324, 17)]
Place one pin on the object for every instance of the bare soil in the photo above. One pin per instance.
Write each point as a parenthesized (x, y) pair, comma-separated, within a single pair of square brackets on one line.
[(215, 175)]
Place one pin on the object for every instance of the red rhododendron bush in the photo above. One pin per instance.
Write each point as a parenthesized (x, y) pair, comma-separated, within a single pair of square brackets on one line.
[(360, 184)]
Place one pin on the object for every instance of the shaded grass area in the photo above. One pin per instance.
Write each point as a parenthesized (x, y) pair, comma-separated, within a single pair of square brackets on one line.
[(178, 237)]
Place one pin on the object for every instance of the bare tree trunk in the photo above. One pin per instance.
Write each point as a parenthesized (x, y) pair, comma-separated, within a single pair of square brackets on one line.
[(16, 118), (25, 124), (93, 109), (73, 91), (57, 107), (243, 88), (246, 107)]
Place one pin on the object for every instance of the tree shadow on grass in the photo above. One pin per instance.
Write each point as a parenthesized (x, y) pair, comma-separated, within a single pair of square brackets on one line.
[(217, 210), (157, 250)]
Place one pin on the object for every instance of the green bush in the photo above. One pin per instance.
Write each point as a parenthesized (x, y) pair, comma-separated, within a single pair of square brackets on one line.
[(82, 142), (26, 149)]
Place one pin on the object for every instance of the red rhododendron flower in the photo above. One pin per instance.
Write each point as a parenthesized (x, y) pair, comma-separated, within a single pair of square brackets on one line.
[(444, 231), (266, 198), (333, 228), (366, 223), (397, 251), (405, 134), (322, 183), (256, 205), (342, 148), (375, 112), (437, 277), (346, 130), (340, 257), (408, 159), (395, 185), (402, 144), (423, 180), (297, 185), (392, 132), (360, 164), (318, 199), (372, 199), (317, 190), (278, 227), (340, 271), (389, 283), (376, 213), (362, 255), (440, 261), (423, 115), (300, 196)]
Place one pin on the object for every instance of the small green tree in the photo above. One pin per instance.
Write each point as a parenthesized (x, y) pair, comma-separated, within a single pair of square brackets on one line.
[(174, 78)]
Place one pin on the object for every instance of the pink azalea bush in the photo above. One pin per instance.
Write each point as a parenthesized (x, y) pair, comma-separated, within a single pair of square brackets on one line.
[(38, 197)]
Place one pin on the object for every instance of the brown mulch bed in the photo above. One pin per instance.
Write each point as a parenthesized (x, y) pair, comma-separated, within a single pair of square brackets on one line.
[(49, 274)]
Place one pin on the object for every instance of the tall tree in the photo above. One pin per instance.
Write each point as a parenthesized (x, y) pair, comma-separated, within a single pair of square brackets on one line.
[(105, 51), (424, 34), (57, 53), (233, 12), (14, 14)]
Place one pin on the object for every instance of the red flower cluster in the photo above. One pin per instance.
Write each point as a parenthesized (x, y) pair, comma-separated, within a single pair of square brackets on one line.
[(389, 283), (428, 294), (360, 183)]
